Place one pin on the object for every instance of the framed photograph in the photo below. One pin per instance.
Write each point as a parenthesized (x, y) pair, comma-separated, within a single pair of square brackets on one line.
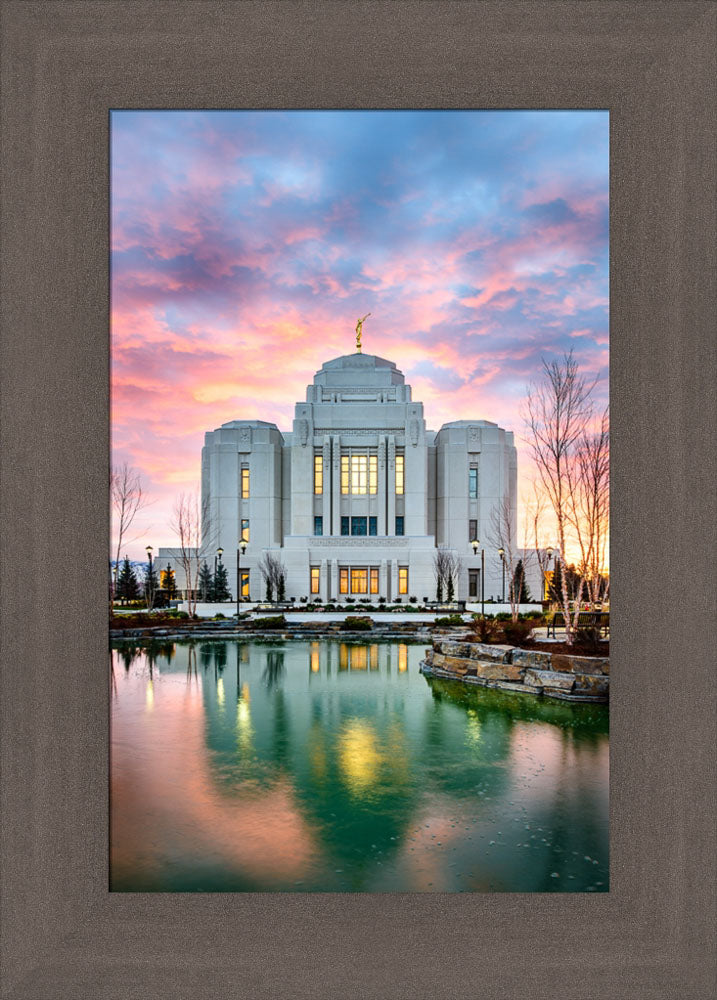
[(182, 900)]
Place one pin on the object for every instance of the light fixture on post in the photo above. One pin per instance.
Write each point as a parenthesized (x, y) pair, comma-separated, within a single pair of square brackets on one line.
[(475, 543), (149, 593), (501, 553), (240, 552), (218, 556), (549, 552)]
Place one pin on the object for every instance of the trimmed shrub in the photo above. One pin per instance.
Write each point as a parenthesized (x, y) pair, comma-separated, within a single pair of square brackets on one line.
[(356, 623), (275, 621), (449, 620)]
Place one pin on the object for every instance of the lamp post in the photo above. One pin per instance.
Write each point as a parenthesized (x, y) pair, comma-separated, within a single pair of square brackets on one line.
[(501, 553), (475, 543), (549, 551), (149, 596), (214, 581), (240, 552)]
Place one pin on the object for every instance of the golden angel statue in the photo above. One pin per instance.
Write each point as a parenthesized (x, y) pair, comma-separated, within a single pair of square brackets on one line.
[(359, 327)]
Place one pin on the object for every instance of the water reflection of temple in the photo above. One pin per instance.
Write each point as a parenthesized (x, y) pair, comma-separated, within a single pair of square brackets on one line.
[(345, 728)]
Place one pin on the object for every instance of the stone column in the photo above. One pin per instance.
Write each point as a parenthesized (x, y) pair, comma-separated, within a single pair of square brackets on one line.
[(382, 494), (391, 486), (336, 484), (394, 579), (326, 498), (382, 579)]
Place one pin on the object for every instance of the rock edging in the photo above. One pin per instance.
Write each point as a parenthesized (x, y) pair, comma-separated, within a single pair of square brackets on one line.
[(536, 672)]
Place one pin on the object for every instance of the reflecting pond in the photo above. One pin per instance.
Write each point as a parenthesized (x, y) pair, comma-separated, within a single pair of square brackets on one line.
[(331, 766)]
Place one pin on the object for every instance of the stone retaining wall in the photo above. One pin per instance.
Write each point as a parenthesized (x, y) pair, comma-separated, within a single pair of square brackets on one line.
[(555, 675)]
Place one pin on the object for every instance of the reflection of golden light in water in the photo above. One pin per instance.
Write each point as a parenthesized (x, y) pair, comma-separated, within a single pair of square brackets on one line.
[(402, 658), (359, 757), (358, 658), (244, 727), (343, 656), (150, 695), (472, 728), (374, 656), (317, 751), (220, 692), (315, 657)]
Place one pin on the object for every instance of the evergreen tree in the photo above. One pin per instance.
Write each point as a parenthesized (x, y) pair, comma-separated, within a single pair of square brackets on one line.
[(150, 585), (127, 585), (518, 586), (168, 583), (205, 583), (221, 584), (269, 590), (450, 590), (281, 589), (439, 590)]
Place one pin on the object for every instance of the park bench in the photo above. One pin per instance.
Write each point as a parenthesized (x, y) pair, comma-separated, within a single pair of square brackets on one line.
[(586, 619)]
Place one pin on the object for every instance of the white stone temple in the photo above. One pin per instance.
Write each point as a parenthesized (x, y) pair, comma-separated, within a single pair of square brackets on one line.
[(357, 497)]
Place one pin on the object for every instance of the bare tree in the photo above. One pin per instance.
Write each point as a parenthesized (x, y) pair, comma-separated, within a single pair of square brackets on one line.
[(127, 497), (589, 507), (558, 411), (447, 568), (187, 521), (535, 533), (274, 575), (502, 536)]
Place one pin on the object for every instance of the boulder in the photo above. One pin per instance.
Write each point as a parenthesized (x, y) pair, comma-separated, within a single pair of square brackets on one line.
[(456, 664), (492, 671), (549, 679), (592, 683), (454, 648), (569, 664), (532, 658), (484, 651)]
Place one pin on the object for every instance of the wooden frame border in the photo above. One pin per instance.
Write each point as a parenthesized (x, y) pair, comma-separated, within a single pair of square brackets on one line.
[(65, 64)]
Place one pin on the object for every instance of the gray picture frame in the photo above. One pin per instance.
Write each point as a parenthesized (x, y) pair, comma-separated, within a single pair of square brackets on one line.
[(65, 64)]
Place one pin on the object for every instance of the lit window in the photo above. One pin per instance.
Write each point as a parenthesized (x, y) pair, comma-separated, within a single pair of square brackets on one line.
[(403, 579), (343, 580), (473, 482), (244, 576), (399, 525), (399, 474), (318, 474), (373, 526), (245, 482), (374, 580), (344, 473), (359, 465), (359, 581), (245, 529), (373, 473), (318, 525), (315, 575)]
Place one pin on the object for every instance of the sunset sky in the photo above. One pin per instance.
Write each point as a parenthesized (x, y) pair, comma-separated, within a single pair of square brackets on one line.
[(246, 244)]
